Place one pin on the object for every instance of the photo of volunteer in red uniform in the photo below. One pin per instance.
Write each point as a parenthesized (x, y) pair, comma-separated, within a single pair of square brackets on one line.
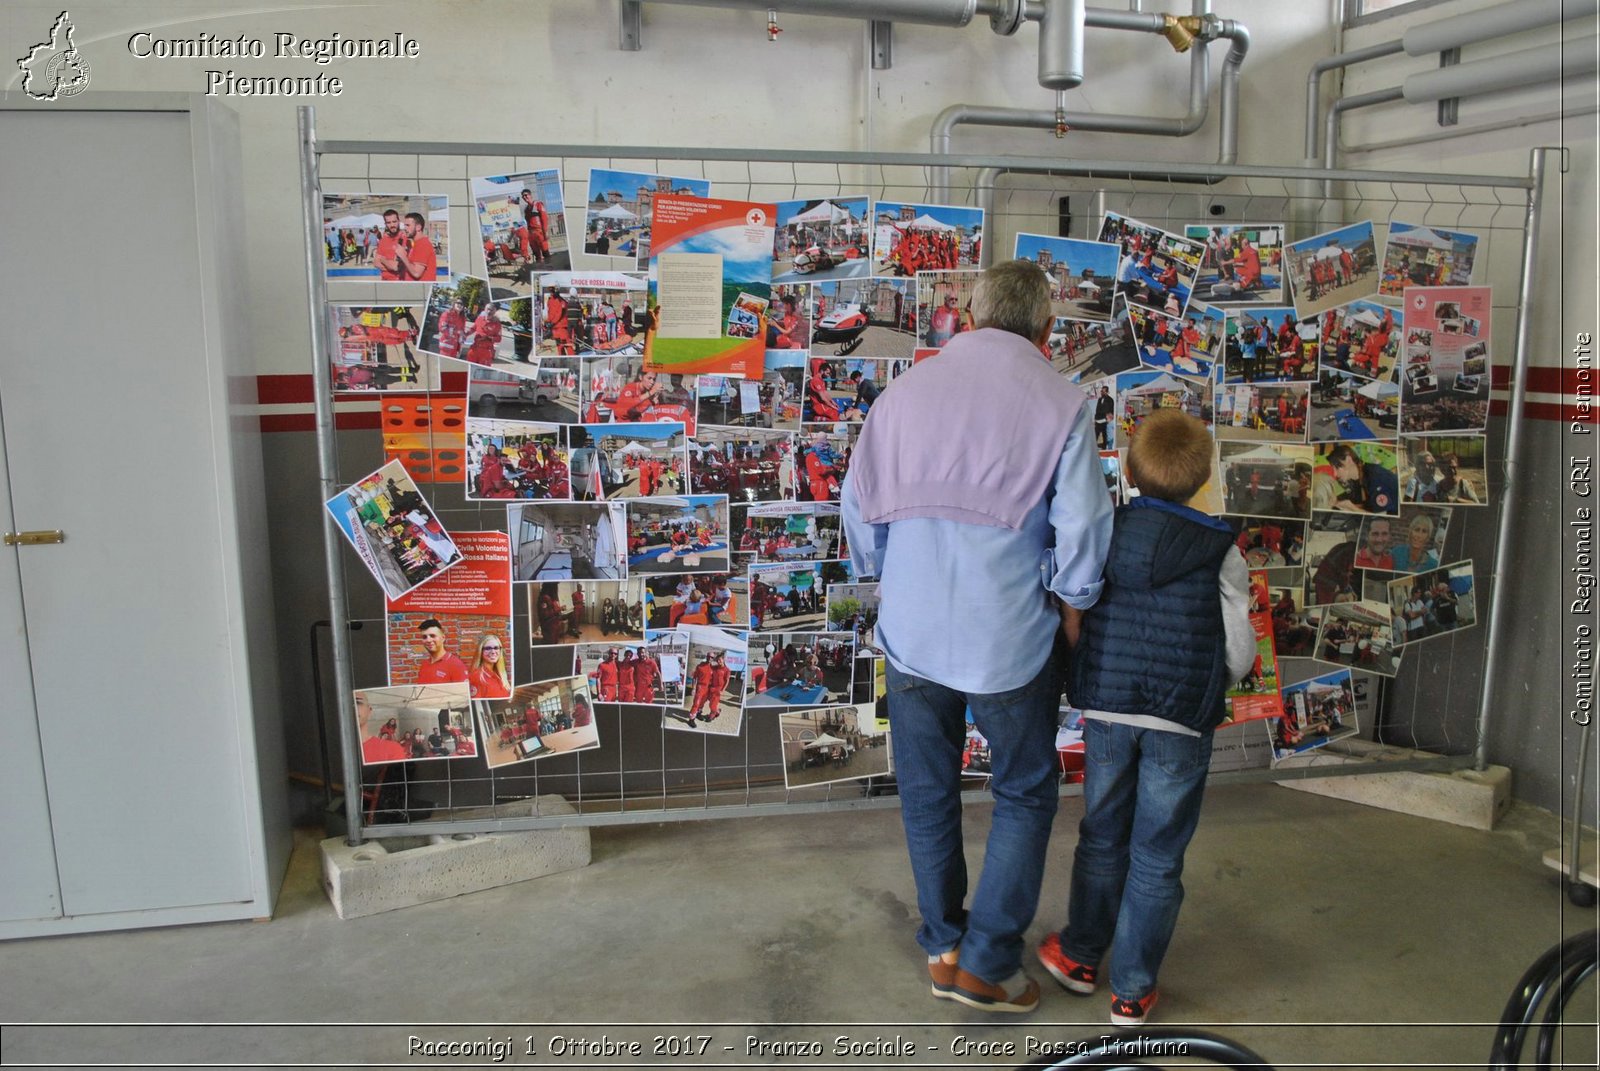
[(715, 684), (522, 227), (386, 237), (414, 722)]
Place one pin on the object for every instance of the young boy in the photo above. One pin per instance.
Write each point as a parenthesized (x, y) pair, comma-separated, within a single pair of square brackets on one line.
[(1170, 633)]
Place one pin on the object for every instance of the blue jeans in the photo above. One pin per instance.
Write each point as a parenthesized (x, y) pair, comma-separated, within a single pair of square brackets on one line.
[(1141, 793), (927, 725)]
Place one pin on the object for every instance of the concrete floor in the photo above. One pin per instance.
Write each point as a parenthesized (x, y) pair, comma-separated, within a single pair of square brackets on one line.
[(1314, 931)]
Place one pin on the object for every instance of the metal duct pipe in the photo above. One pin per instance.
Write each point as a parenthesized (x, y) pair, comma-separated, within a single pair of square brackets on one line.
[(1228, 135), (1527, 67), (925, 12), (1322, 66), (1061, 44), (1330, 147), (1502, 20)]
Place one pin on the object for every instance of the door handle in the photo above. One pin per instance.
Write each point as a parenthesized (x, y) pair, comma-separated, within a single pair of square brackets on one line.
[(34, 539)]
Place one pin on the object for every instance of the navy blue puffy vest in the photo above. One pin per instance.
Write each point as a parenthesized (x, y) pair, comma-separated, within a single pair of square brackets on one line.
[(1154, 643)]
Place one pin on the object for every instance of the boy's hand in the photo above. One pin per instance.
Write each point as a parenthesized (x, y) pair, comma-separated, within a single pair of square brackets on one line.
[(1071, 623)]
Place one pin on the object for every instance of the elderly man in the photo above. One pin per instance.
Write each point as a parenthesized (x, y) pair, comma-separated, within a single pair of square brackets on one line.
[(975, 495)]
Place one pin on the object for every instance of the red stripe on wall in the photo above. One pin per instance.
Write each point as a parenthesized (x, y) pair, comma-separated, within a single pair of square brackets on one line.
[(308, 421)]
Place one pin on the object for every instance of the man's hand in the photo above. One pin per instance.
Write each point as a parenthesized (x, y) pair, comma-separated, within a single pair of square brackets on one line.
[(1071, 623)]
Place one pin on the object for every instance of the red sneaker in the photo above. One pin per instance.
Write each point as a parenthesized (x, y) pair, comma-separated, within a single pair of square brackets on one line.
[(1075, 977), (1133, 1012)]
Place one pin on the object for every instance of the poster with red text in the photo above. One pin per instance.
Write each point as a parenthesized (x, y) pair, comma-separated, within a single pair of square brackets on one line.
[(459, 627), (710, 285)]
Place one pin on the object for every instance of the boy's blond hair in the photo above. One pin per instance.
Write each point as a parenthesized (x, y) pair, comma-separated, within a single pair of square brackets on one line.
[(1170, 456)]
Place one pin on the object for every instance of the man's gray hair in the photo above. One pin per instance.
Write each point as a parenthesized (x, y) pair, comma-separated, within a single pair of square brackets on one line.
[(1013, 296)]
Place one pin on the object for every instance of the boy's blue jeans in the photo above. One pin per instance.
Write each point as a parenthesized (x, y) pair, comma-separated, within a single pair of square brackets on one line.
[(927, 727), (1141, 792)]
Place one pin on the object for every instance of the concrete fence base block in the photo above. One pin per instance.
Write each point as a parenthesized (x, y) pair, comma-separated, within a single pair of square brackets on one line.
[(1461, 797), (384, 875)]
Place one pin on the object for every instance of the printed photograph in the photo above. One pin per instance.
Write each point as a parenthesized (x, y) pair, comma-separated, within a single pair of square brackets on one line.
[(853, 608), (593, 312), (864, 317), (1362, 337), (386, 237), (1243, 263), (696, 599), (1082, 275), (522, 224), (793, 597), (822, 239), (1141, 393), (567, 541), (843, 389), (509, 459), (1084, 351), (1257, 695), (1294, 627), (1315, 712), (554, 717), (944, 306), (586, 611), (619, 672), (1345, 406), (414, 722), (393, 530), (618, 389), (1266, 479), (461, 323), (1157, 270), (799, 669), (715, 685), (746, 464), (1333, 542), (1433, 603), (1269, 345), (1359, 635), (670, 652), (789, 531), (618, 209), (824, 747), (1444, 469), (1263, 412), (1333, 268), (908, 238), (1190, 345), (679, 534), (611, 461), (824, 458), (789, 317), (376, 349), (773, 401), (1270, 542), (1426, 256), (1358, 477), (457, 628)]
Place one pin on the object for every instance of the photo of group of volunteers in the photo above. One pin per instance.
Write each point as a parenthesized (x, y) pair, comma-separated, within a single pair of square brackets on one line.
[(375, 349), (793, 597), (618, 389), (1362, 337), (1270, 542), (1083, 351), (414, 722), (853, 608), (619, 207), (1446, 379), (670, 652), (1426, 256), (820, 239), (682, 534), (789, 531), (1082, 275), (714, 682), (461, 323), (1268, 344), (823, 747), (1433, 603), (393, 530), (864, 317), (1345, 406), (586, 611), (1360, 635), (1243, 263), (612, 461), (568, 541), (1445, 468), (582, 313), (510, 459), (386, 237), (1332, 268), (1156, 270), (522, 223), (1142, 392), (908, 238), (621, 673), (1266, 479), (799, 669), (746, 464), (773, 401), (843, 389), (695, 599), (554, 717), (1263, 412), (944, 306), (1315, 712), (1191, 345)]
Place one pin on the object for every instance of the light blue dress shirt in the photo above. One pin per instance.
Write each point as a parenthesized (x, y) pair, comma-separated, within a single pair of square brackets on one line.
[(966, 605)]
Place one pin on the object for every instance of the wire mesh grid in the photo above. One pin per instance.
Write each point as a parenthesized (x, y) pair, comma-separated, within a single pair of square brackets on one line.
[(644, 772)]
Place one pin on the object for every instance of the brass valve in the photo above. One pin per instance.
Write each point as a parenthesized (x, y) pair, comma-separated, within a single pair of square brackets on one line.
[(1181, 32)]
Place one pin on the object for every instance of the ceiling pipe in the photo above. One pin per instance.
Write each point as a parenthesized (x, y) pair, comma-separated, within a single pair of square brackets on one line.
[(1061, 44), (1441, 35), (923, 12)]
